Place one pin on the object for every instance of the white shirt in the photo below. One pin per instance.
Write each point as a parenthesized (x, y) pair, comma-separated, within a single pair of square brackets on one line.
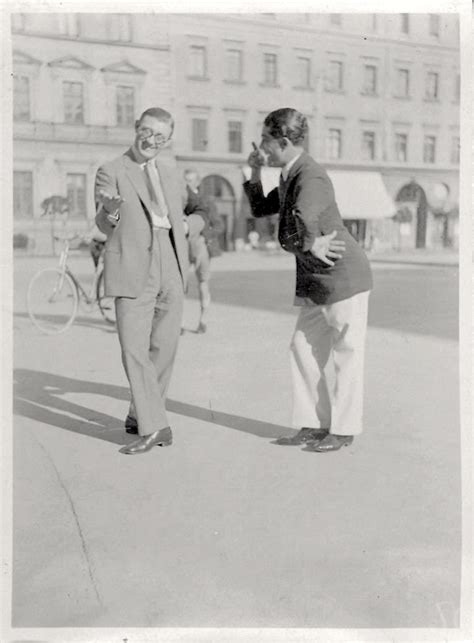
[(286, 169), (158, 221)]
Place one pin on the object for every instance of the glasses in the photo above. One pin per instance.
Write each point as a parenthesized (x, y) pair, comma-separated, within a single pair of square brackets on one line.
[(145, 132)]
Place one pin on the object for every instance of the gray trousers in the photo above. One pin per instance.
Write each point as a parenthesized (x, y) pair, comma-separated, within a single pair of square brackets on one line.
[(148, 328)]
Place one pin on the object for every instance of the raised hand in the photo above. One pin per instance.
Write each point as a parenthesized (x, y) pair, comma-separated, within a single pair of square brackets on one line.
[(256, 158), (111, 205), (326, 248)]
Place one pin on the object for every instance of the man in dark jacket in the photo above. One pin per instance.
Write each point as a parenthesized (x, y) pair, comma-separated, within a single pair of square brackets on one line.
[(333, 281)]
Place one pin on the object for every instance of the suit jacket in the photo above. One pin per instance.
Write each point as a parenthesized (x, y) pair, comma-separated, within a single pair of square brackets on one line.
[(308, 209), (129, 246)]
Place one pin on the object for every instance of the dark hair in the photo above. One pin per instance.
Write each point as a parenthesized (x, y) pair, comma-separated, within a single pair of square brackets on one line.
[(287, 123), (160, 115)]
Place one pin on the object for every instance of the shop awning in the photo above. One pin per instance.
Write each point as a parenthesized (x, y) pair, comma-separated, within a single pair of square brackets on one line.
[(359, 194)]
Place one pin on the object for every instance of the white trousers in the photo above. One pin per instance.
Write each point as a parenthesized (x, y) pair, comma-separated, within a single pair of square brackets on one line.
[(324, 334)]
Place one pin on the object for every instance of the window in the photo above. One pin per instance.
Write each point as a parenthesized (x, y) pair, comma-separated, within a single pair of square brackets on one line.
[(456, 150), (368, 146), (234, 65), (429, 149), (125, 106), (303, 72), (21, 98), (235, 136), (73, 96), (432, 86), (334, 144), (198, 61), (457, 88), (22, 195), (370, 80), (335, 19), (68, 24), (403, 83), (404, 23), (401, 147), (270, 75), (199, 132), (434, 25), (18, 21), (334, 79), (76, 195), (120, 26)]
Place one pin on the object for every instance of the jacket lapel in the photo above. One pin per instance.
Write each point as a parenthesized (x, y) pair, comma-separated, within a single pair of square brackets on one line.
[(137, 179), (167, 185)]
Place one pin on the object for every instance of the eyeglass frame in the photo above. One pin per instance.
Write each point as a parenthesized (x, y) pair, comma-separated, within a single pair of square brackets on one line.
[(159, 139)]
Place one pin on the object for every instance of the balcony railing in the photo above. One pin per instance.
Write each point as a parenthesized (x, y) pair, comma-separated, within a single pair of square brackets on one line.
[(65, 133)]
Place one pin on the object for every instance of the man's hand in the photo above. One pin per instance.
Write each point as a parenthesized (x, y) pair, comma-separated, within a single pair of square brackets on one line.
[(111, 205), (326, 248), (256, 158)]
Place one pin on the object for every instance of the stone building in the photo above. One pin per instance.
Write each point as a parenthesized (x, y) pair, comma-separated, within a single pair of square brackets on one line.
[(381, 93)]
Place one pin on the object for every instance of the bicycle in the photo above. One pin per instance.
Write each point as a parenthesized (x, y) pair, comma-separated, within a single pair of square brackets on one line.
[(54, 294)]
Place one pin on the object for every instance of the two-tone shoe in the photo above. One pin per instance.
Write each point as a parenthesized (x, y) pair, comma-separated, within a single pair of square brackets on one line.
[(331, 442), (304, 436)]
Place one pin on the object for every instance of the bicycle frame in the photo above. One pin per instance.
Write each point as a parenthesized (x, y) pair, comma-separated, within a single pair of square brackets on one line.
[(64, 268)]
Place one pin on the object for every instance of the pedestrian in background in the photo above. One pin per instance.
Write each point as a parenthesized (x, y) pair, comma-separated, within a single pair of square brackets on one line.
[(203, 244), (139, 208), (333, 280)]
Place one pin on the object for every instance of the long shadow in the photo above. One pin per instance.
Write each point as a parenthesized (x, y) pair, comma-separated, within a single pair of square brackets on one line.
[(38, 395)]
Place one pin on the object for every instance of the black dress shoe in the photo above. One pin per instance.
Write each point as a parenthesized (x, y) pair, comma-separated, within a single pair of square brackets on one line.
[(331, 442), (162, 438), (131, 425), (202, 328), (303, 436)]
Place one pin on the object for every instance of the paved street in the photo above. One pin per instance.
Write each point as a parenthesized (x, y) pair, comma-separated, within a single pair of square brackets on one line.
[(226, 529)]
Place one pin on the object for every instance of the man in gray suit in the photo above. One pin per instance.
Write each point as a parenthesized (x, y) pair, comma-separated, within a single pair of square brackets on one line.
[(140, 209)]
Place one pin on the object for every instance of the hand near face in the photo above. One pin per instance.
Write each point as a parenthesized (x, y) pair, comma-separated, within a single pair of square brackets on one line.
[(256, 159), (326, 248)]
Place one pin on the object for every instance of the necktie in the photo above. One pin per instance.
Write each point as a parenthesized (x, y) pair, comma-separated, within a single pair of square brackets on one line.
[(281, 188), (156, 193)]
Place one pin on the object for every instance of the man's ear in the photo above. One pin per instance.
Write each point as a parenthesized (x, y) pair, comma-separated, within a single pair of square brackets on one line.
[(284, 142), (137, 125)]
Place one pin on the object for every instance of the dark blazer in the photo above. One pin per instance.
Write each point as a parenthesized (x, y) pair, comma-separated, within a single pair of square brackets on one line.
[(308, 209), (196, 203), (129, 245)]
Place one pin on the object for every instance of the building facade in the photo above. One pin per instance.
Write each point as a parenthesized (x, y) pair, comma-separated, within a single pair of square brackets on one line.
[(381, 93)]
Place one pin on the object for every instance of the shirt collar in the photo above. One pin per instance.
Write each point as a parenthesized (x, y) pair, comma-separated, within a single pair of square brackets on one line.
[(286, 169)]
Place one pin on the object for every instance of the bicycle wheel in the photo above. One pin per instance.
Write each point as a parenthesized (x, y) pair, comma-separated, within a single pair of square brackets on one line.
[(52, 301), (106, 304)]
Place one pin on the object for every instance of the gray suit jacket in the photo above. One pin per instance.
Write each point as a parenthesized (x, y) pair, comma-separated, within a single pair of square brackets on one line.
[(129, 245)]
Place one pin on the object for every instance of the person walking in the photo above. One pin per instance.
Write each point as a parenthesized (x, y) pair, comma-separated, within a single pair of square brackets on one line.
[(139, 209), (203, 245), (333, 281)]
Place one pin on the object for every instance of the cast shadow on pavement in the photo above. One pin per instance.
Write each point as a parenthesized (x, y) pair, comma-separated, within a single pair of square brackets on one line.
[(40, 396)]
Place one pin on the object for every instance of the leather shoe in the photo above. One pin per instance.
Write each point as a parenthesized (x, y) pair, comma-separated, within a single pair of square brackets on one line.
[(162, 438), (331, 442), (303, 436), (131, 425)]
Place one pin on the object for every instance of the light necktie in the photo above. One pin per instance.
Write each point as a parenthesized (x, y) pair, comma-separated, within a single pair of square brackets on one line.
[(159, 203)]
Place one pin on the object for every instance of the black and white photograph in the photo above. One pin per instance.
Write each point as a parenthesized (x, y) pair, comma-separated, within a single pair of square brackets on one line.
[(236, 328)]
